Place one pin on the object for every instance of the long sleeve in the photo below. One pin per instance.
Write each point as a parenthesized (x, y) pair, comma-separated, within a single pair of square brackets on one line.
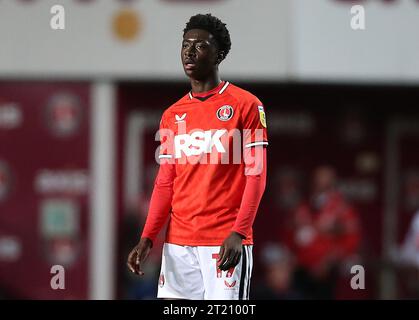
[(253, 191), (161, 198), (160, 202)]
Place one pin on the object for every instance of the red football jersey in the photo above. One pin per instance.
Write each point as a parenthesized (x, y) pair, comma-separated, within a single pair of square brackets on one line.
[(206, 141)]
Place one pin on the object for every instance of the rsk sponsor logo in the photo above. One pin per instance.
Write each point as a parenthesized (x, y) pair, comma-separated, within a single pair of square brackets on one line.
[(199, 142)]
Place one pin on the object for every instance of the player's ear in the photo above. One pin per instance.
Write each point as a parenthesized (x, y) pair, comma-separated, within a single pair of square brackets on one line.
[(220, 57)]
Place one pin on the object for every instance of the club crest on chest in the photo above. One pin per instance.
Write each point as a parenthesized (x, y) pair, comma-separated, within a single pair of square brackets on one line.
[(225, 113)]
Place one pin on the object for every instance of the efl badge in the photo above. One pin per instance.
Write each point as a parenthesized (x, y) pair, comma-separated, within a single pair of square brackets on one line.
[(262, 116), (225, 113)]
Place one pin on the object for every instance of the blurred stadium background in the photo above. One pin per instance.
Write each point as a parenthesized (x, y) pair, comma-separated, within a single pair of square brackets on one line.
[(79, 109)]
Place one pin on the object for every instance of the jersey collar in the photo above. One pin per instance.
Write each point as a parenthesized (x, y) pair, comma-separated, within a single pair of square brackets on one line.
[(223, 88)]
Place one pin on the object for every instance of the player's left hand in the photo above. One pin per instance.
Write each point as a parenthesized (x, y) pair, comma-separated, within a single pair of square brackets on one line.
[(230, 251)]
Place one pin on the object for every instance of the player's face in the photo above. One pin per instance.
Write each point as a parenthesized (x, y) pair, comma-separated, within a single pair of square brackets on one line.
[(199, 54)]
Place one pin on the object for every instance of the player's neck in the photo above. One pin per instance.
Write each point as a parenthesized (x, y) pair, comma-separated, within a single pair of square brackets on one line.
[(199, 86)]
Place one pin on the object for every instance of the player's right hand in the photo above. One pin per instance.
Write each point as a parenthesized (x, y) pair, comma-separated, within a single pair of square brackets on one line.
[(138, 255)]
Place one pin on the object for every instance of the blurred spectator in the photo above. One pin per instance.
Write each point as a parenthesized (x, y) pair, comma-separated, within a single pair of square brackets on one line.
[(325, 234), (278, 282), (288, 188)]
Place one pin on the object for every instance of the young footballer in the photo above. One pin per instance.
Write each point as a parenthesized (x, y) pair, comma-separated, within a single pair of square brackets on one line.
[(211, 178)]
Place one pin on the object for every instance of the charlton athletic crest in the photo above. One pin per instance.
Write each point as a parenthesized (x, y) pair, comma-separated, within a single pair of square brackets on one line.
[(225, 113)]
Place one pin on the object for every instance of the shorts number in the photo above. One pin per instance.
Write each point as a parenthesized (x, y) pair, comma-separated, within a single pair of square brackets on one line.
[(230, 271)]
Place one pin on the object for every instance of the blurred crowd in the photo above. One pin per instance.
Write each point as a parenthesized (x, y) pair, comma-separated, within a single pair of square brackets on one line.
[(318, 243), (319, 239)]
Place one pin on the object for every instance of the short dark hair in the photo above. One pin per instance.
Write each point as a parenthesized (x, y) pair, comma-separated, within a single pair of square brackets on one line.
[(214, 26)]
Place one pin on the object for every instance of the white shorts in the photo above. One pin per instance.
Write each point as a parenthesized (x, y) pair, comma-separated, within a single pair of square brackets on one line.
[(190, 272)]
